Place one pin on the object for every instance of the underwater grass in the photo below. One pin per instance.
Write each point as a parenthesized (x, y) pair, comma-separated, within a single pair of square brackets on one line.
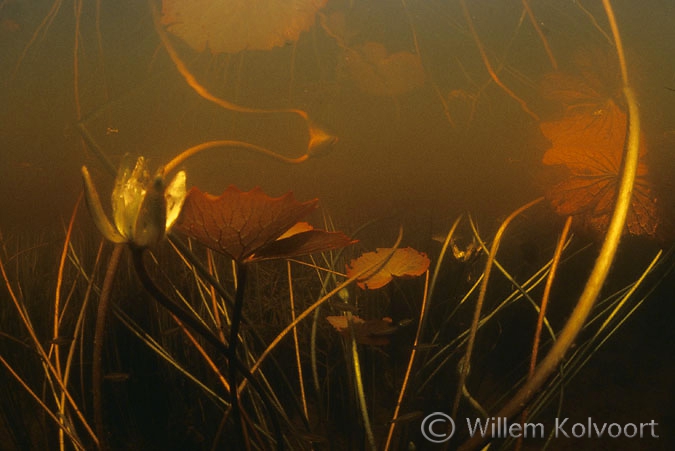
[(43, 370), (295, 343)]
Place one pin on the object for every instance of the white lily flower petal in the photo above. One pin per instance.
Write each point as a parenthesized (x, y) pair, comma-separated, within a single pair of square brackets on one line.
[(175, 196), (128, 196), (143, 208)]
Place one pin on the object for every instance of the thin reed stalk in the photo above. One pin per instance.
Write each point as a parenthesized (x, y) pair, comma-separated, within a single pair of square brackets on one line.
[(466, 360), (411, 360)]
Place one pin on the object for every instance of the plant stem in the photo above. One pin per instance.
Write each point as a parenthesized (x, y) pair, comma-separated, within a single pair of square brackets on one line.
[(413, 353), (296, 342), (209, 336), (466, 362), (174, 308), (358, 379), (242, 273), (542, 313), (604, 260), (99, 336)]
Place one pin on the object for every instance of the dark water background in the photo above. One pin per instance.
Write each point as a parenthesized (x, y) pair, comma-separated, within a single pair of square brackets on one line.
[(398, 157)]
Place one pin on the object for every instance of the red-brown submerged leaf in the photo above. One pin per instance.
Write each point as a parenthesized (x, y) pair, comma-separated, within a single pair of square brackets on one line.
[(572, 92), (590, 146), (406, 262), (298, 227), (370, 332), (593, 83), (239, 223), (302, 243)]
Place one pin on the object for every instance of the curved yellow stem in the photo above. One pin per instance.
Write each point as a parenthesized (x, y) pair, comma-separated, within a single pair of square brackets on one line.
[(318, 140), (605, 257), (227, 144)]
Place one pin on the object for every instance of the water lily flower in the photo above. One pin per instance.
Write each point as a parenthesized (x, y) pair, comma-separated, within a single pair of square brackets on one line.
[(144, 207)]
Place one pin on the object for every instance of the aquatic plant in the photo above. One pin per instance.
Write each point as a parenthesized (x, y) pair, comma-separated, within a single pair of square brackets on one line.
[(45, 370), (590, 148), (384, 264), (406, 262), (605, 257), (237, 25), (370, 371), (251, 226), (248, 227), (374, 332), (144, 208), (318, 140), (379, 73)]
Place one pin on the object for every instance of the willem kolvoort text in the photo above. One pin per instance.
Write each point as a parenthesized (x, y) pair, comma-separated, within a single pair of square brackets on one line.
[(562, 428)]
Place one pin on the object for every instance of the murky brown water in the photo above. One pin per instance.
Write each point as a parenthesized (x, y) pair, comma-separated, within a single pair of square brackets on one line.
[(424, 133), (397, 152)]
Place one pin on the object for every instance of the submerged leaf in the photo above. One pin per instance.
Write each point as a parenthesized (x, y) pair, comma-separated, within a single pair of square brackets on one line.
[(593, 83), (380, 73), (251, 225), (235, 25), (571, 92), (300, 243), (405, 262), (370, 332), (589, 145), (239, 223)]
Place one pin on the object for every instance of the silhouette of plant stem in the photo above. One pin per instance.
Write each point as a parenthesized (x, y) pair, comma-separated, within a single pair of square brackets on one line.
[(242, 276), (99, 335), (413, 354), (209, 336), (190, 259), (296, 343)]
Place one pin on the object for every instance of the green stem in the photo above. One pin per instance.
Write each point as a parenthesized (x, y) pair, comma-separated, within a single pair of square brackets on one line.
[(99, 336)]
